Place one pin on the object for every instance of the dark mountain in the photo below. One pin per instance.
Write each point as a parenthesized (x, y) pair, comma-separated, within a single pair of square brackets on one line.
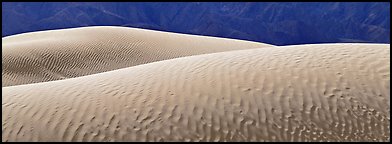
[(269, 22)]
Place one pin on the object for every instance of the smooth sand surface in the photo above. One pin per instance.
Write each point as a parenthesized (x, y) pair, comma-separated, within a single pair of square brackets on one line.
[(325, 92), (67, 53)]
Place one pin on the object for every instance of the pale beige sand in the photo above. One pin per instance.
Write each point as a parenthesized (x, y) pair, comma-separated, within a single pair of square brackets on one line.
[(60, 54), (334, 92)]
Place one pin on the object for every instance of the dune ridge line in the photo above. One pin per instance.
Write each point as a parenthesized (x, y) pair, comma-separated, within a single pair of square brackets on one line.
[(326, 92)]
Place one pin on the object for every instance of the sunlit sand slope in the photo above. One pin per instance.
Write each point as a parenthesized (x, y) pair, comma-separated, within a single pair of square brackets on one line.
[(334, 92), (60, 54)]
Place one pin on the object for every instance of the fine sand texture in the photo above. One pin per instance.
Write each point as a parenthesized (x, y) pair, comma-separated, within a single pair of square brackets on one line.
[(321, 92), (67, 53)]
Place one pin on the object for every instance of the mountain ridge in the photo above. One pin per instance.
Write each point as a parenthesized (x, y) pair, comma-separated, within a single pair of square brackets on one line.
[(269, 22)]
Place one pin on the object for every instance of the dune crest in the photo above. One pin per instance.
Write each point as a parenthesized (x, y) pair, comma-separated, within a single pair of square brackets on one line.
[(59, 54), (324, 92)]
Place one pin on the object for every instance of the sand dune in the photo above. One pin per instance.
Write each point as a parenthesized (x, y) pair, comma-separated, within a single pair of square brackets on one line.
[(60, 54), (325, 92)]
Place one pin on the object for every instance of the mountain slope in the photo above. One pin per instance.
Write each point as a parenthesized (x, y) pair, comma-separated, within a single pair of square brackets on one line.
[(275, 23)]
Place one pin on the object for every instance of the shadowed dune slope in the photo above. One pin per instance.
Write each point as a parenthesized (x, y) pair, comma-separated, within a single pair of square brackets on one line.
[(325, 92), (60, 54)]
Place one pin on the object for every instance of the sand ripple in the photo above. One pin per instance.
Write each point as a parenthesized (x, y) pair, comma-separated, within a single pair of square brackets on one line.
[(68, 53), (331, 92)]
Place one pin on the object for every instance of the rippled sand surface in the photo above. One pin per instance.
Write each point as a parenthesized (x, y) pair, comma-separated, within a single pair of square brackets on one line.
[(68, 53), (320, 92)]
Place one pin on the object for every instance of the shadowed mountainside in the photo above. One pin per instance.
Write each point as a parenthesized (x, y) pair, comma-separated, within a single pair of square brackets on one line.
[(274, 23)]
